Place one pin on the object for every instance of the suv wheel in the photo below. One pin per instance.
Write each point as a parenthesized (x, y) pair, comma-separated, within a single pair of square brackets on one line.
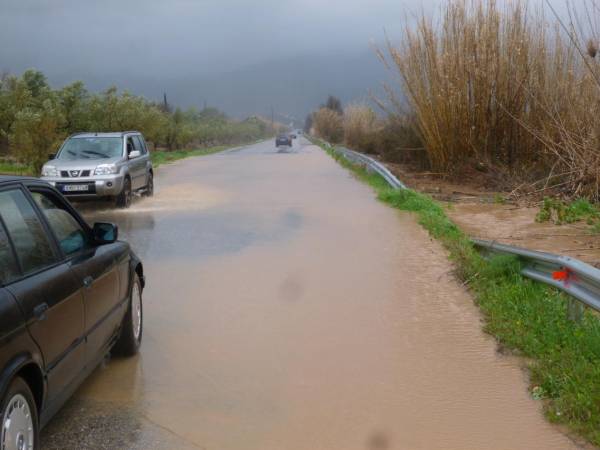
[(130, 338), (124, 198), (149, 191), (20, 428)]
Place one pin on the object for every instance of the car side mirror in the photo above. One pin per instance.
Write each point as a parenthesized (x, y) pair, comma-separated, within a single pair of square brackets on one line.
[(105, 233), (134, 154), (51, 156)]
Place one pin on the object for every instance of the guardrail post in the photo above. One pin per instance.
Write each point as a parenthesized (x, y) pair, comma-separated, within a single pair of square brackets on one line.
[(575, 310)]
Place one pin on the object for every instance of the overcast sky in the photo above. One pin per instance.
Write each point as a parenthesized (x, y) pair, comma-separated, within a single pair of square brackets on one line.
[(119, 41), (200, 36)]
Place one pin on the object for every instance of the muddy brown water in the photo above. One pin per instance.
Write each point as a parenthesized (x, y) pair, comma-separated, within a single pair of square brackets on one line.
[(286, 308)]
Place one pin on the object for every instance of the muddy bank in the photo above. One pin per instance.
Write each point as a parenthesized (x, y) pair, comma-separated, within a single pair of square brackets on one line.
[(516, 225), (479, 208)]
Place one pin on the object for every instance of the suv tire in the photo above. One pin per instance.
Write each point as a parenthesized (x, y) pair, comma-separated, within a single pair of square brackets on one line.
[(149, 190), (124, 198)]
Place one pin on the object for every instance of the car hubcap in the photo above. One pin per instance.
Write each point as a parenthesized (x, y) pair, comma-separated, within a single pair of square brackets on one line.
[(17, 425), (136, 311)]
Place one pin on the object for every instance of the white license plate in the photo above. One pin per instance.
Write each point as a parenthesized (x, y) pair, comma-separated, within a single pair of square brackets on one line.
[(76, 188)]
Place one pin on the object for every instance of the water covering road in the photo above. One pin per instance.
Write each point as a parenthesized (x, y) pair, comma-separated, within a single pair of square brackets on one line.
[(287, 309)]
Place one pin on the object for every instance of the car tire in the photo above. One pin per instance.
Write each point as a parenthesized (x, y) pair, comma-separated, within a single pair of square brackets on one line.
[(149, 190), (130, 337), (19, 411), (124, 198)]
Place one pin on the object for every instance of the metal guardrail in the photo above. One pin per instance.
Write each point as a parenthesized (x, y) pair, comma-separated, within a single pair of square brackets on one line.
[(370, 164), (578, 279), (572, 276)]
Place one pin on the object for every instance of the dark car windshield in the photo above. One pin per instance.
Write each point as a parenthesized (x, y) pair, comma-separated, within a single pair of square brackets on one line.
[(91, 148)]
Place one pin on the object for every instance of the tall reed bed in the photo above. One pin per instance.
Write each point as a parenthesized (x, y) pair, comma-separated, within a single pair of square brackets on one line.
[(502, 86)]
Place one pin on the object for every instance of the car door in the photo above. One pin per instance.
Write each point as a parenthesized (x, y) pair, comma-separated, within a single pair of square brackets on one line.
[(47, 291), (137, 165), (145, 158), (96, 268)]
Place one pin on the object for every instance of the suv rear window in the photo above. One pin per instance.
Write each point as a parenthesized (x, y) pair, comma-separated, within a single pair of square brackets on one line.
[(97, 147)]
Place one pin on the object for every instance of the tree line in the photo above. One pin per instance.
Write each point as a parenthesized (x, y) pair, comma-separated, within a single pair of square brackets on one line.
[(35, 119)]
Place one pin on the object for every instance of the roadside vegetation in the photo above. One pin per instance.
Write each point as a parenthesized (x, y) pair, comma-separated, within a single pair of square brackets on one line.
[(165, 157), (501, 88), (35, 119), (527, 318)]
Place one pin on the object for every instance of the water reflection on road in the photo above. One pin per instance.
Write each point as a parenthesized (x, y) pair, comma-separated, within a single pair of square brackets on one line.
[(287, 309)]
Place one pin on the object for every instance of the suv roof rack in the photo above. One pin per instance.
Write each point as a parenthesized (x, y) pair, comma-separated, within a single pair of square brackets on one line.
[(122, 133)]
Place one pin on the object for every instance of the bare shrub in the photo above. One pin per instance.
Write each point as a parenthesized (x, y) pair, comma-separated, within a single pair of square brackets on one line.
[(328, 125), (399, 141), (361, 127)]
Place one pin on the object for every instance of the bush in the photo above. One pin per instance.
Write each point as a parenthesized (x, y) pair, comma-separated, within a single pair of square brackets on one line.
[(329, 125), (360, 128), (398, 141)]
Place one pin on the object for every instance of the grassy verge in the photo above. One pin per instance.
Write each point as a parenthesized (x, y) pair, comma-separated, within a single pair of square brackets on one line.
[(163, 157), (159, 158), (526, 317), (13, 168)]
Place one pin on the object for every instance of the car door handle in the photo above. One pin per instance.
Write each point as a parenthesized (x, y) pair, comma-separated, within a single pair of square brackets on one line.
[(40, 311), (88, 281)]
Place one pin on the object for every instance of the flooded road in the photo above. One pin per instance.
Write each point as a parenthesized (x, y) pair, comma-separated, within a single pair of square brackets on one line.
[(286, 308)]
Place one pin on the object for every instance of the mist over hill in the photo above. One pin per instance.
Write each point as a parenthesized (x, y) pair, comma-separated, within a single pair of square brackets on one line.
[(292, 86)]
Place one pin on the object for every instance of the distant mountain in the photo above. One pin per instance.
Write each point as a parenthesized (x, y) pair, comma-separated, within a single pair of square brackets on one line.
[(292, 86)]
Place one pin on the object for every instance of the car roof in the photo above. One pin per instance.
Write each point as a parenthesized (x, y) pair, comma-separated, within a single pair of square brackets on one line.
[(16, 178), (103, 134)]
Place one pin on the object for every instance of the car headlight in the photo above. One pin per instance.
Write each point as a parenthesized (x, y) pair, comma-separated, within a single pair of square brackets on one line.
[(106, 169), (49, 171)]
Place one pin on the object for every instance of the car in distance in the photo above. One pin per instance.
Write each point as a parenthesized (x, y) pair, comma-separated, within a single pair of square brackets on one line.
[(102, 165), (69, 295), (283, 139)]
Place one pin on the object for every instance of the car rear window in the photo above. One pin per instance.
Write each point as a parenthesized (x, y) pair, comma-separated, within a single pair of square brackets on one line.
[(26, 231), (8, 266)]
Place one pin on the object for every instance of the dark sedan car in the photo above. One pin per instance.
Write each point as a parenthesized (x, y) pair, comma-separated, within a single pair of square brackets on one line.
[(69, 294), (283, 139)]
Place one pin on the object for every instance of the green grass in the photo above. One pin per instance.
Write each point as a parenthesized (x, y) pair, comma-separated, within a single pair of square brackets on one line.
[(561, 212), (13, 168), (164, 157), (526, 317)]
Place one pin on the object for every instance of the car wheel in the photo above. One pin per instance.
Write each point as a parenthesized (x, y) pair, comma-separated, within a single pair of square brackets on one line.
[(132, 327), (20, 427), (124, 198), (149, 191)]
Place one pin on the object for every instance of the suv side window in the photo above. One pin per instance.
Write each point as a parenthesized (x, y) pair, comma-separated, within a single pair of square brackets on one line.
[(131, 146), (69, 233), (141, 144), (8, 265), (29, 238)]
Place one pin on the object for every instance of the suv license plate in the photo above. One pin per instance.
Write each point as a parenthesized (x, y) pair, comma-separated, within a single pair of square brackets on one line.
[(75, 188)]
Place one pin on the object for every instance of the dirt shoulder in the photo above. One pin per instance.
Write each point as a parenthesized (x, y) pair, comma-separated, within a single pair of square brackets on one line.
[(482, 212)]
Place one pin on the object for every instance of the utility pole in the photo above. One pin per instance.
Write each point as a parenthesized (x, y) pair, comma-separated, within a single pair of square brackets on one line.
[(272, 118)]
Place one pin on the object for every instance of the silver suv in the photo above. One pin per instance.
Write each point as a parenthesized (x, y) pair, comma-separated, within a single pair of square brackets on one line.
[(102, 165)]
